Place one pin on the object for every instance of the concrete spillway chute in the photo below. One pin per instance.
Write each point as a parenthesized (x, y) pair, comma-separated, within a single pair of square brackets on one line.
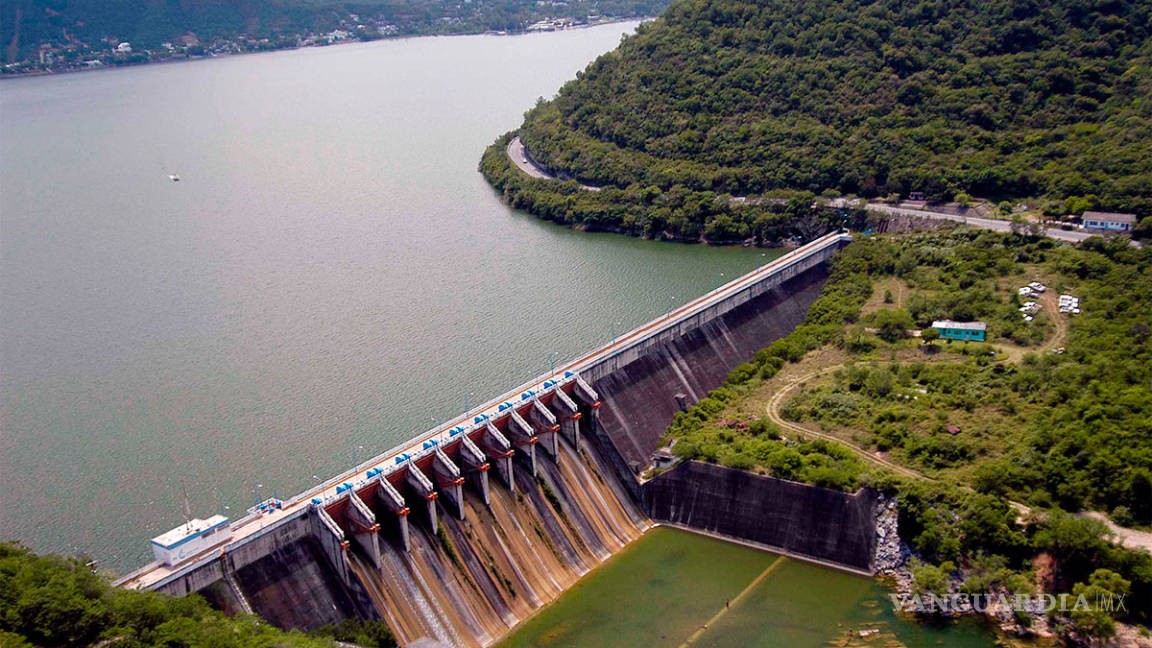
[(499, 450), (449, 481), (332, 543), (365, 529), (475, 467), (586, 394), (394, 502), (524, 438), (546, 426), (568, 414), (419, 484)]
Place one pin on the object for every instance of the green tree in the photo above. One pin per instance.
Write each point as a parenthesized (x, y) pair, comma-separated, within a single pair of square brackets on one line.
[(52, 601), (1094, 610), (892, 325), (1122, 515), (929, 335), (930, 579)]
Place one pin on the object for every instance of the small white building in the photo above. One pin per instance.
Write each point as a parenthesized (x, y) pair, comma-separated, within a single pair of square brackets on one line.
[(124, 48), (191, 538), (1108, 221)]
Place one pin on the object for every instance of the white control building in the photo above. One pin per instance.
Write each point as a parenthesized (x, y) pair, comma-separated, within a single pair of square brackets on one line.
[(191, 538)]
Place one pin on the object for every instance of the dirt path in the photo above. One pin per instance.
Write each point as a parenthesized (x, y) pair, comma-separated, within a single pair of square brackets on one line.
[(1130, 538), (773, 412), (1138, 538), (1051, 304)]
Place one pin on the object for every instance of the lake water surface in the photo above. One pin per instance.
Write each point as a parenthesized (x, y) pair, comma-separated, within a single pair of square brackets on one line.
[(330, 275)]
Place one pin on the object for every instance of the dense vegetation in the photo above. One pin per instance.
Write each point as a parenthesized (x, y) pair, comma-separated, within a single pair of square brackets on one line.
[(51, 601), (1000, 99), (27, 24), (675, 213), (1057, 431)]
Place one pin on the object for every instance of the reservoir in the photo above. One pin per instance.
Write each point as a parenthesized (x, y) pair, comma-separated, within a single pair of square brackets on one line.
[(330, 275), (676, 588)]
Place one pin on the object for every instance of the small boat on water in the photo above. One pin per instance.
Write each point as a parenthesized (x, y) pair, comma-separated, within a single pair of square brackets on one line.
[(173, 177)]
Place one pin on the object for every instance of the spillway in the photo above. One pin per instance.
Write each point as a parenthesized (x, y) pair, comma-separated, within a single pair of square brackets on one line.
[(468, 581), (458, 535)]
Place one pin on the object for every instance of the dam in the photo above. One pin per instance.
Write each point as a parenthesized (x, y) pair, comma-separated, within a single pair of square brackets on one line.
[(459, 534)]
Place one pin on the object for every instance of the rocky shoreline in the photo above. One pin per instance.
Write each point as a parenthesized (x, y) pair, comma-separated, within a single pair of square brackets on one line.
[(892, 562)]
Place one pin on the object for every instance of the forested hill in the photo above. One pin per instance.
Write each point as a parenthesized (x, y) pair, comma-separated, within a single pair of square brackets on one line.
[(996, 98)]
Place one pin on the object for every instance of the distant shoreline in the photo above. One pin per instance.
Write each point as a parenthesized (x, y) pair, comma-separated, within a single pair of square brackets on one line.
[(205, 57)]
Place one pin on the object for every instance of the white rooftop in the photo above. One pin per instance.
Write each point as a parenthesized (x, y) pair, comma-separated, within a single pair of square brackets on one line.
[(189, 528), (1109, 217), (970, 326)]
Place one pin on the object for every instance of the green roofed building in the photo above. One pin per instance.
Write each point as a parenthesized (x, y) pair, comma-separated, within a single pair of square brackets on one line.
[(950, 330)]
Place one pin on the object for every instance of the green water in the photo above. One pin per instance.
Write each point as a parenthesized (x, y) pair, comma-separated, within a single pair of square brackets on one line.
[(666, 586)]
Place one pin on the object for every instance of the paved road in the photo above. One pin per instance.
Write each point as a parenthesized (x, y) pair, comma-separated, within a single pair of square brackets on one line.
[(1073, 236), (519, 157)]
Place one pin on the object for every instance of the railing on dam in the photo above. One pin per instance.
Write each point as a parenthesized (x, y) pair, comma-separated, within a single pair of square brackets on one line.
[(592, 365)]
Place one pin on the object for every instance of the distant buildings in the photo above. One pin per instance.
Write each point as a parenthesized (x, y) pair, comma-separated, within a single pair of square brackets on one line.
[(1108, 221), (950, 330), (549, 24)]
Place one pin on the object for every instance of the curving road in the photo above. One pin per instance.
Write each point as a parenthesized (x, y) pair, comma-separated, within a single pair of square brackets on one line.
[(519, 156)]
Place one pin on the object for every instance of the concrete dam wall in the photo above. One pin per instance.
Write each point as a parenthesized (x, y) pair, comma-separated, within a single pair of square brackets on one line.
[(812, 522), (461, 533), (461, 569), (641, 397)]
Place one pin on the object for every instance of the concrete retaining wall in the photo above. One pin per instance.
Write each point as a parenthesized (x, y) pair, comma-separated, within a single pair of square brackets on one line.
[(294, 586), (797, 518), (640, 397), (293, 573), (240, 554), (193, 580), (768, 285)]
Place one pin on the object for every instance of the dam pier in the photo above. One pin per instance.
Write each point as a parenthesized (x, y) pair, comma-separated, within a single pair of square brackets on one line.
[(462, 532)]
